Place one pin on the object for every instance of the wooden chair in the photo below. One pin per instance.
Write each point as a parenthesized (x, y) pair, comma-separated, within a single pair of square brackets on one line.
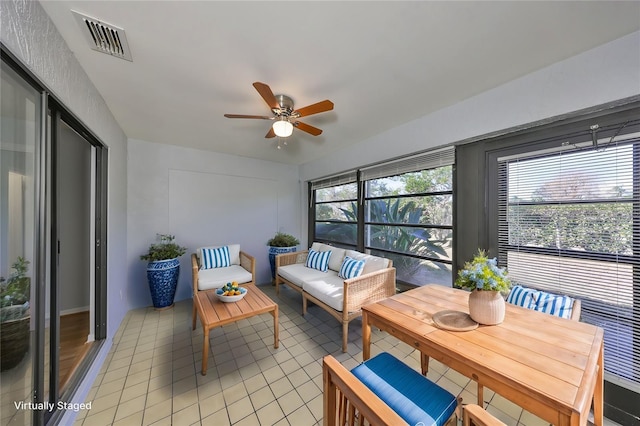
[(349, 401), (474, 415), (242, 269)]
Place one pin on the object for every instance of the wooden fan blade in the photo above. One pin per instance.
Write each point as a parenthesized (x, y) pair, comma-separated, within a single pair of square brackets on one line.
[(262, 117), (307, 128), (270, 133), (321, 106), (267, 94)]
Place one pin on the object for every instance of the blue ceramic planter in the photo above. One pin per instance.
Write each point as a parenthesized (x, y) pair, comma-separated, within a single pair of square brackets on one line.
[(163, 280), (273, 252)]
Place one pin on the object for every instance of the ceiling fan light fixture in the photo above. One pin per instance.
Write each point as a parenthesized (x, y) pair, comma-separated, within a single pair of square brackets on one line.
[(283, 128)]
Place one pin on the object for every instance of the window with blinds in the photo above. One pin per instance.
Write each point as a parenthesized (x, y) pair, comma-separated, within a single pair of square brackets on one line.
[(569, 223)]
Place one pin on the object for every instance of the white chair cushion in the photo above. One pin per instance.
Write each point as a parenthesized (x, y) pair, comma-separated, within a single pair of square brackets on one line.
[(298, 273), (234, 253), (372, 263), (215, 278), (337, 255), (328, 289)]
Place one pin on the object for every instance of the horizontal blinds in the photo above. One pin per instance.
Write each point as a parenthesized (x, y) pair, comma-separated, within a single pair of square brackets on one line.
[(428, 160), (342, 179), (569, 223)]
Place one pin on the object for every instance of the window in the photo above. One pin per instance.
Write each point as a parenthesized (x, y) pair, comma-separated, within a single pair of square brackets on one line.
[(404, 213), (569, 223), (337, 214)]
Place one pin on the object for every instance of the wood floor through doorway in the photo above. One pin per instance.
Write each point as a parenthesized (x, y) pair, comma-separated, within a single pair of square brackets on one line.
[(74, 329)]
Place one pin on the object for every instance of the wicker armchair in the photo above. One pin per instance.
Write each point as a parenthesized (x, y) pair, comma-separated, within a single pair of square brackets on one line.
[(241, 270)]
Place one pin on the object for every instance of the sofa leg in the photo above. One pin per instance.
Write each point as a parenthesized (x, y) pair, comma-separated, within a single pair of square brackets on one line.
[(345, 335), (304, 305)]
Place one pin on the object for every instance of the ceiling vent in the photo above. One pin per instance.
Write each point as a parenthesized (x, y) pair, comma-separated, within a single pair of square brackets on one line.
[(103, 37)]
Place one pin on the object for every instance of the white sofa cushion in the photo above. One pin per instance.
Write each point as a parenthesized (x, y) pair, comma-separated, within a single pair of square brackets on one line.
[(328, 289), (337, 255), (372, 263), (217, 277), (297, 273), (234, 253)]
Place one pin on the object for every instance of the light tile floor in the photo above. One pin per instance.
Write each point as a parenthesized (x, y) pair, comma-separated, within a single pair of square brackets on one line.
[(152, 374)]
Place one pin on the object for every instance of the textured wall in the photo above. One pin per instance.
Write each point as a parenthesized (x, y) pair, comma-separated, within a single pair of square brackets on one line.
[(28, 32)]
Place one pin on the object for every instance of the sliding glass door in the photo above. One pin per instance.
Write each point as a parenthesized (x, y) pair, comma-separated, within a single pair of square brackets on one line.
[(52, 250), (20, 128)]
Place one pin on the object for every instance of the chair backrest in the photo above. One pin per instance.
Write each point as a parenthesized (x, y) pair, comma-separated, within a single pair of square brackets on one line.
[(558, 305), (346, 399), (474, 415)]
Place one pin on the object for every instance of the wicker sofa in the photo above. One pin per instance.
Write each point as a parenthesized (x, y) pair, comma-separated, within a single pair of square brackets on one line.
[(342, 298)]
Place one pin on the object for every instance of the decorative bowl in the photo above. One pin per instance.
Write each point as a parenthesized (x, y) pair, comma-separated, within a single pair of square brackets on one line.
[(235, 298)]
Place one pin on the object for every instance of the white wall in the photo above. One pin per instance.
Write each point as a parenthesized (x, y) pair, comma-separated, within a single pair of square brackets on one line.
[(204, 198), (604, 74)]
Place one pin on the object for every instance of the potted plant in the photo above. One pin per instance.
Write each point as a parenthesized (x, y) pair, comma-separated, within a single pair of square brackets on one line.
[(486, 281), (163, 270), (280, 243), (14, 315)]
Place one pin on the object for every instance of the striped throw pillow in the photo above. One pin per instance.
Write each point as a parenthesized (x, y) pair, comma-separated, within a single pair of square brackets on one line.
[(215, 257), (522, 296), (560, 306), (351, 268), (318, 260)]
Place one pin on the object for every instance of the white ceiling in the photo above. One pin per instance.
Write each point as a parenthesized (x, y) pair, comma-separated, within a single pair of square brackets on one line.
[(381, 63)]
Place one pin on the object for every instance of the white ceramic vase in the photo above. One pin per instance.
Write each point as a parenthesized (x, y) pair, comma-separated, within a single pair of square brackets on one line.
[(486, 307)]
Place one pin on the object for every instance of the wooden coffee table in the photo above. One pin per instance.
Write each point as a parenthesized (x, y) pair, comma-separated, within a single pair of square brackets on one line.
[(214, 313)]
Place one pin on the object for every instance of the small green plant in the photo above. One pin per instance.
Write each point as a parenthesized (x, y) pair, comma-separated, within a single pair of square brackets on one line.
[(283, 240), (163, 250), (16, 290), (483, 273)]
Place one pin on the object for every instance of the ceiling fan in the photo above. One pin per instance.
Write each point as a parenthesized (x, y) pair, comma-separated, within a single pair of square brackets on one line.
[(284, 116)]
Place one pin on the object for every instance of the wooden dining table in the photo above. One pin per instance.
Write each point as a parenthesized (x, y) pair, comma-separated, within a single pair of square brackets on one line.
[(550, 366)]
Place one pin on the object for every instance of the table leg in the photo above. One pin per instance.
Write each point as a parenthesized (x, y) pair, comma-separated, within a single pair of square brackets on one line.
[(205, 350), (366, 336), (276, 335), (598, 393)]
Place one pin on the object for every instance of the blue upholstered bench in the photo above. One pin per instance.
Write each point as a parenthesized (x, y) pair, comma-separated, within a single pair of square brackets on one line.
[(415, 398)]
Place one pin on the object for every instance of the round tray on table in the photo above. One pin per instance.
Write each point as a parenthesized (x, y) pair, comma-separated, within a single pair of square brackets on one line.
[(454, 321)]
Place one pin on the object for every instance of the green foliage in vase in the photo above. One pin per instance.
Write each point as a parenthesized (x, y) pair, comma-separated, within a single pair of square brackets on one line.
[(16, 289), (165, 249), (483, 273), (283, 240)]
